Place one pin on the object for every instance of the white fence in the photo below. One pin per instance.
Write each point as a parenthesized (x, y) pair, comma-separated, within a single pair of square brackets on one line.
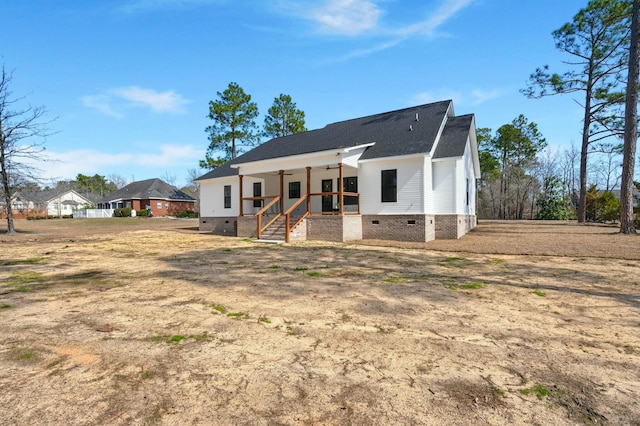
[(92, 213)]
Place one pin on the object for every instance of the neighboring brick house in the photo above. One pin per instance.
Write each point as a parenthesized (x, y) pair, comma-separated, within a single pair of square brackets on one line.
[(154, 194), (407, 175)]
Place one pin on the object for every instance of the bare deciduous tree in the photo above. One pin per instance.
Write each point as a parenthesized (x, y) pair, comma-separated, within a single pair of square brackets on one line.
[(22, 134)]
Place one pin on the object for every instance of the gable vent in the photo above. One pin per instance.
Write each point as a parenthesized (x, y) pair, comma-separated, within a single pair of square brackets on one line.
[(410, 128), (417, 118)]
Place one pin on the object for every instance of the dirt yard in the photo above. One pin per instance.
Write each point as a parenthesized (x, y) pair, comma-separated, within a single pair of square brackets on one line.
[(148, 321)]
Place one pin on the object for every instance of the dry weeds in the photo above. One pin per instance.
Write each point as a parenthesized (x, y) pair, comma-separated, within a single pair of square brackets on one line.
[(149, 321)]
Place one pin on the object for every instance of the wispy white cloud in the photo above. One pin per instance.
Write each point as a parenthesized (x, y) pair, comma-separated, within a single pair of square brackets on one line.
[(136, 6), (66, 165), (100, 103), (359, 18), (471, 97), (338, 17), (346, 17), (441, 15), (168, 101), (170, 155), (113, 101)]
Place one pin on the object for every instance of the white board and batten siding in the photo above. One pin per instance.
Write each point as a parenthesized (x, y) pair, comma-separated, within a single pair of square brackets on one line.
[(451, 179), (410, 185), (212, 195), (444, 186), (467, 179)]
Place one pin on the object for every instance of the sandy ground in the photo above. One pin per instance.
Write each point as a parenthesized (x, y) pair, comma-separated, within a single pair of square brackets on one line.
[(148, 321)]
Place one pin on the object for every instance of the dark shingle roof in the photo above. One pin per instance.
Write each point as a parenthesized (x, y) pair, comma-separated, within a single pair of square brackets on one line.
[(394, 133), (454, 137), (148, 189)]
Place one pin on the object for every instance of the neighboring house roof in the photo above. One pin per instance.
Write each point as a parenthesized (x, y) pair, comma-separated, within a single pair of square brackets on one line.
[(403, 132), (148, 189), (49, 195)]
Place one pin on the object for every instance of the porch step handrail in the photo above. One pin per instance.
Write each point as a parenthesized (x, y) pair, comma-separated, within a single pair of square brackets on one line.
[(259, 214), (288, 228)]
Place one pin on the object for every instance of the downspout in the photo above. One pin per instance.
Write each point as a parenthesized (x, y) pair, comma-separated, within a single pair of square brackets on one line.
[(340, 189), (281, 172), (241, 211)]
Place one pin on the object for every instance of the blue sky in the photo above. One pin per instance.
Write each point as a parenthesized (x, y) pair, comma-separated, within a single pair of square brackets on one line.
[(130, 80)]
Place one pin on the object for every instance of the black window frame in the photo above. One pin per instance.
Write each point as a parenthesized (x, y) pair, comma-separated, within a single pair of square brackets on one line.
[(350, 184), (227, 196), (389, 186), (257, 192), (294, 193)]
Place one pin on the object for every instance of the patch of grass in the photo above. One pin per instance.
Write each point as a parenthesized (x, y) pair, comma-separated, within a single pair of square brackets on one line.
[(472, 286), (539, 293), (496, 261), (23, 261), (160, 338), (175, 339), (264, 320), (315, 274), (155, 417), (395, 280), (23, 355), (274, 267), (452, 287), (227, 250), (204, 337), (301, 268), (148, 374), (219, 308), (237, 315), (538, 390), (451, 259), (499, 392), (22, 279), (5, 306)]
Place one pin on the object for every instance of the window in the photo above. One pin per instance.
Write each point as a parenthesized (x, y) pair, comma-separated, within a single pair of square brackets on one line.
[(350, 184), (389, 186), (159, 204), (294, 190), (257, 192), (227, 196), (467, 191)]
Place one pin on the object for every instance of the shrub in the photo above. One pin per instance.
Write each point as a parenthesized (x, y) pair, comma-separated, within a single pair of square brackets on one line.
[(143, 213), (187, 214), (125, 212)]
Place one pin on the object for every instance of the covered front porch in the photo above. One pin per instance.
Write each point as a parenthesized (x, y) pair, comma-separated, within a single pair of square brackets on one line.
[(316, 202)]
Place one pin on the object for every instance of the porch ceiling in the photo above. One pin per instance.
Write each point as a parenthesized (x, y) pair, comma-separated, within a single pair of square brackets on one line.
[(298, 171)]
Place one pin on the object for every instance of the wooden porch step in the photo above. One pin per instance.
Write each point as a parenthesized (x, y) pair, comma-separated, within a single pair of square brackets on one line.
[(276, 231)]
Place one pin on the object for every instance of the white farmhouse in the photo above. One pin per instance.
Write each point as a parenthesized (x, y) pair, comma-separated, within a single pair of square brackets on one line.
[(406, 175)]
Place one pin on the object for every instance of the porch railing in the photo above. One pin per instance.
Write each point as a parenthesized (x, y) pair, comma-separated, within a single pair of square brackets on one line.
[(346, 209), (265, 209), (288, 227), (339, 209)]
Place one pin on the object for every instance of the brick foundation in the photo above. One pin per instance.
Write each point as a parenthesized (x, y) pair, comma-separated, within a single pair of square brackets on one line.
[(451, 227), (334, 228), (415, 228)]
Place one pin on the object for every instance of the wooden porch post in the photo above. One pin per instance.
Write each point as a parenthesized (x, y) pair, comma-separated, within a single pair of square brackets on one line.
[(281, 191), (240, 202), (308, 189), (340, 189)]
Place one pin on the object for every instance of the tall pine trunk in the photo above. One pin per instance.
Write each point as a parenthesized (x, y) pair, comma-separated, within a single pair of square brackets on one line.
[(627, 225)]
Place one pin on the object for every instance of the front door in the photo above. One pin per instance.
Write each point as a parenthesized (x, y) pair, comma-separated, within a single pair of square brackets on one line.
[(327, 200)]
